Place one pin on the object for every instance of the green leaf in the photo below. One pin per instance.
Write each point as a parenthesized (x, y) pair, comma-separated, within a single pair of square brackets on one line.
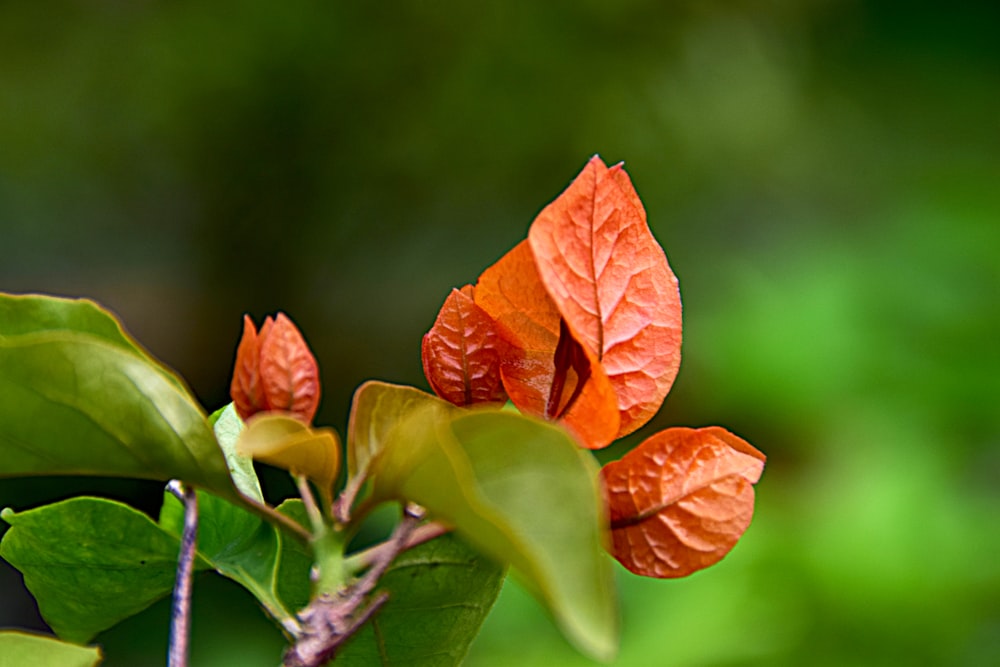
[(440, 594), (22, 314), (86, 401), (294, 560), (522, 492), (18, 649), (228, 426), (242, 547), (375, 411), (89, 562)]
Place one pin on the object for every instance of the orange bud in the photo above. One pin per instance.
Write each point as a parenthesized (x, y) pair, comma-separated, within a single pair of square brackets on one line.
[(275, 371)]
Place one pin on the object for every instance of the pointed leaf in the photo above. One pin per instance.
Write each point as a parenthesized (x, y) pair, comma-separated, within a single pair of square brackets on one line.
[(611, 282), (289, 374), (246, 388), (228, 426), (75, 403), (522, 492), (376, 410), (439, 595), (288, 443), (89, 562), (681, 499), (512, 293), (18, 649), (462, 351)]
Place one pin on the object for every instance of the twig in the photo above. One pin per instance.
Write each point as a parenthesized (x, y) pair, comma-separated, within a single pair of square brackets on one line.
[(180, 622), (331, 619), (425, 533), (342, 508)]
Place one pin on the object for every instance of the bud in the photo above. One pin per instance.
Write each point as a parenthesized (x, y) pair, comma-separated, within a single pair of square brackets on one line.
[(275, 371)]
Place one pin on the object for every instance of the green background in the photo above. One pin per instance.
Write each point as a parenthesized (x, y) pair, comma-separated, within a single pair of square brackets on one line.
[(824, 177)]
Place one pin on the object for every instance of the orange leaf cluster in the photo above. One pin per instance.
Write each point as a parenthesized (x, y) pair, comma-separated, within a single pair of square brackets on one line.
[(581, 324), (275, 371)]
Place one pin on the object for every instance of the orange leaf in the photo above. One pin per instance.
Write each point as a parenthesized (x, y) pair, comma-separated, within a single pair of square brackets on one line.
[(545, 370), (289, 374), (462, 351), (610, 281), (246, 390), (679, 501)]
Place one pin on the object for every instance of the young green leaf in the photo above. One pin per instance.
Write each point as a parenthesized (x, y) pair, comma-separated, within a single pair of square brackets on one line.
[(89, 562), (286, 442), (18, 649), (439, 595), (76, 402), (375, 411), (611, 283), (521, 491), (680, 500), (228, 426)]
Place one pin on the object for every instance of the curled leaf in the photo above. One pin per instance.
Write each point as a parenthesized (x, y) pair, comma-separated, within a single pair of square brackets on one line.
[(287, 443), (681, 500), (275, 371), (610, 281), (545, 370), (462, 351)]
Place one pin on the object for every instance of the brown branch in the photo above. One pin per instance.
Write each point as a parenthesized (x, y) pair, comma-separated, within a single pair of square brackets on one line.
[(180, 620)]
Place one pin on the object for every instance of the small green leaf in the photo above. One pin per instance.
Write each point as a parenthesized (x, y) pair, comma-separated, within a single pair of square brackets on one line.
[(523, 492), (286, 442), (18, 649), (86, 401), (89, 562), (238, 545), (440, 594), (375, 411), (228, 426)]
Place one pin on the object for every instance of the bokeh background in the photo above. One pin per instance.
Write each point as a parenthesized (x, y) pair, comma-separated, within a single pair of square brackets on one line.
[(824, 176)]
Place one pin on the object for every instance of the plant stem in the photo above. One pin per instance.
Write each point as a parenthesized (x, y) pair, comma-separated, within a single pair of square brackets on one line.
[(365, 559), (333, 616), (180, 622), (309, 500)]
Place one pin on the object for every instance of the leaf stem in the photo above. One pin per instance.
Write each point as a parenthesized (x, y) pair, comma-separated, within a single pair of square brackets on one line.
[(309, 500), (287, 524), (180, 621)]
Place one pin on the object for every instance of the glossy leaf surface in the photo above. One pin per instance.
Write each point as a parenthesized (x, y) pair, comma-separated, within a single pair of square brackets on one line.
[(440, 594), (89, 562), (82, 401), (521, 491), (20, 649), (610, 281), (539, 381), (681, 499), (462, 352)]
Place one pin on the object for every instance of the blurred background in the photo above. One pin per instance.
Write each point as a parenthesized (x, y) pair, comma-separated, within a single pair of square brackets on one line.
[(824, 177)]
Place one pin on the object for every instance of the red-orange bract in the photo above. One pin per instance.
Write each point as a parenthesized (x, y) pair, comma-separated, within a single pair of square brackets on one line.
[(462, 352), (681, 500), (275, 371), (589, 313)]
